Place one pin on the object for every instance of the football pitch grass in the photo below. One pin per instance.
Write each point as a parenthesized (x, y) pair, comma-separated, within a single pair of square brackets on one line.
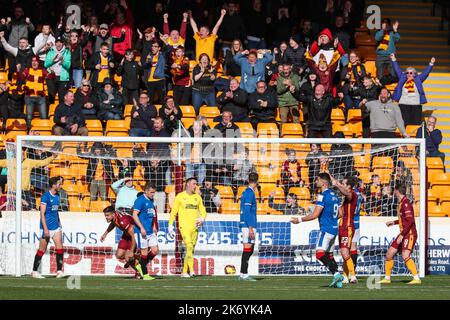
[(218, 288)]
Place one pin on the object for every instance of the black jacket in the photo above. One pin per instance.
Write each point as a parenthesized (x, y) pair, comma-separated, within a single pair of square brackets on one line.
[(144, 119), (296, 57), (318, 112), (81, 100), (131, 72), (76, 53), (156, 174), (236, 105), (263, 113), (115, 105), (171, 121), (73, 113), (232, 28), (233, 69)]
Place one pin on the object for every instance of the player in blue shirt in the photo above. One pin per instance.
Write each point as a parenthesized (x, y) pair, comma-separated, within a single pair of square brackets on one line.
[(248, 224), (146, 229), (50, 227), (328, 210)]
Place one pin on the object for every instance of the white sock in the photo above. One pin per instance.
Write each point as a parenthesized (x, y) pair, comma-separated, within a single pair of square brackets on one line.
[(416, 277), (387, 277), (244, 275)]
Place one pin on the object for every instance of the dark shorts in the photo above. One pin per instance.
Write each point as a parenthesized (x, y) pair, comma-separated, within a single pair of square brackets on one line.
[(407, 244), (345, 237), (125, 243)]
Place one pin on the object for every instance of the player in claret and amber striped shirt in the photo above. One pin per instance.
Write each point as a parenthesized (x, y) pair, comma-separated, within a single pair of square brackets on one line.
[(347, 224), (406, 239)]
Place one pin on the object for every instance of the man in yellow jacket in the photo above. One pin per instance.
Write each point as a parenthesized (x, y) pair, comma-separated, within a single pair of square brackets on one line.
[(27, 166), (188, 205)]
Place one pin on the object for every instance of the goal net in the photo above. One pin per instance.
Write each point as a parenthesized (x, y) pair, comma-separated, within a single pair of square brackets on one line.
[(92, 169)]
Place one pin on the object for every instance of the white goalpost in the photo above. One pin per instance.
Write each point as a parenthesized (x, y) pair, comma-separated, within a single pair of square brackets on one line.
[(286, 167)]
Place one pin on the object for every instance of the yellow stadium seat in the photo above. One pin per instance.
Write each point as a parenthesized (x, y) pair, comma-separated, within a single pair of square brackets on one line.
[(124, 153), (356, 128), (385, 175), (98, 206), (371, 68), (94, 125), (337, 116), (117, 126), (226, 192), (354, 116), (76, 205), (347, 130), (433, 195), (127, 111), (382, 163), (187, 122), (188, 111), (440, 179), (268, 130), (291, 130), (302, 193), (263, 208), (16, 125), (209, 112), (267, 189), (365, 175), (51, 109), (230, 208), (411, 130), (64, 172), (438, 211), (410, 162), (71, 189), (246, 129), (269, 175), (41, 124)]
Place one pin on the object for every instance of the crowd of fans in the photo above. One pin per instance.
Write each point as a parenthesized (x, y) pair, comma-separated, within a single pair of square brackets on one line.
[(261, 59)]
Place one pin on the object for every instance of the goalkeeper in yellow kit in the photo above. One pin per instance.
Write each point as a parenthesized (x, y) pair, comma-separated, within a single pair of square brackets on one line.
[(191, 213)]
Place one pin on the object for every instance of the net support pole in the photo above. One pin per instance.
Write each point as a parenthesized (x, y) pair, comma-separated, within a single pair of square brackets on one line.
[(18, 186), (423, 217)]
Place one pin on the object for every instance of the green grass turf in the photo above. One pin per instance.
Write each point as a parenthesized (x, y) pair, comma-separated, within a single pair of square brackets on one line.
[(217, 288)]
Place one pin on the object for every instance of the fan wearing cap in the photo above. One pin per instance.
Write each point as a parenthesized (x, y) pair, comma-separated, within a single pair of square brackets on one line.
[(104, 36), (145, 41), (58, 63), (110, 102), (325, 70), (101, 65), (34, 88)]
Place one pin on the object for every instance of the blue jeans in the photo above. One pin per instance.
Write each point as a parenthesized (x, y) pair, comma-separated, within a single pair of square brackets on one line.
[(77, 76), (42, 107), (197, 170), (198, 98), (111, 116), (350, 103), (257, 44), (138, 132)]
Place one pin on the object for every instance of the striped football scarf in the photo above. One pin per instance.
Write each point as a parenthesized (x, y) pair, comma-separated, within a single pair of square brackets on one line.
[(385, 42), (409, 85)]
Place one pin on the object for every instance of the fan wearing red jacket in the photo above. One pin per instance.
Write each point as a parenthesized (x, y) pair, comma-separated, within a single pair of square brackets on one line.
[(405, 240)]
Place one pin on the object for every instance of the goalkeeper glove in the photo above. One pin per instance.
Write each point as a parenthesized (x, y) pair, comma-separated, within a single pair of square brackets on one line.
[(171, 231), (199, 222)]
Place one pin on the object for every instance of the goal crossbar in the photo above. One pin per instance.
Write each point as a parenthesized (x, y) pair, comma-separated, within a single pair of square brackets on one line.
[(420, 143)]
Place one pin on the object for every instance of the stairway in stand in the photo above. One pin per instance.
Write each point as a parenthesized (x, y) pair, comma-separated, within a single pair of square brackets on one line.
[(420, 39)]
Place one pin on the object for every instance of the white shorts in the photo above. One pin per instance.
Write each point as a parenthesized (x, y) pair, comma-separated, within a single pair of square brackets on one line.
[(52, 232), (146, 242), (355, 238), (325, 242), (245, 236)]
